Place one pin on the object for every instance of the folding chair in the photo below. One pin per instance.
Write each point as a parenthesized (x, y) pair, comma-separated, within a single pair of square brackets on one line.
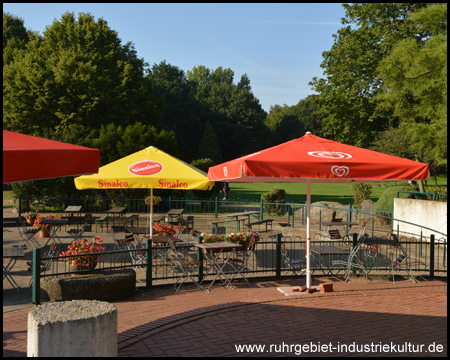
[(240, 264), (123, 239), (188, 267), (294, 265), (138, 256), (78, 233), (353, 260), (26, 234)]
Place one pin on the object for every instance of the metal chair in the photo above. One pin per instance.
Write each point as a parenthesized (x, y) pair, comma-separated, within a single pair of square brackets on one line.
[(138, 256), (26, 234), (240, 264), (45, 264), (294, 265), (78, 233), (188, 267), (123, 239)]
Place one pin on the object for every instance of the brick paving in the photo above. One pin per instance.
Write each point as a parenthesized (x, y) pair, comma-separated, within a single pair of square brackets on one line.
[(159, 322)]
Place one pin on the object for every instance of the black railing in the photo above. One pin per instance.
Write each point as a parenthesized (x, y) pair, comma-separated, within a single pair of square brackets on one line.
[(267, 261)]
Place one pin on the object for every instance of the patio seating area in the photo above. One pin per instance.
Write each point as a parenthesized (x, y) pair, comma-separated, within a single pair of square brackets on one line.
[(151, 312)]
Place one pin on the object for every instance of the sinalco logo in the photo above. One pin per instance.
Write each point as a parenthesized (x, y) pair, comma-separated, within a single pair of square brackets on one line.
[(225, 171), (145, 168), (330, 155)]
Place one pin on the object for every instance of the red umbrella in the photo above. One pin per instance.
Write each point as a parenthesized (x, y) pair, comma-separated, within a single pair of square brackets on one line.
[(28, 157), (314, 159)]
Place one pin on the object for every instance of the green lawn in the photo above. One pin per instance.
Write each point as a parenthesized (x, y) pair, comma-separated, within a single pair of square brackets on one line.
[(296, 192)]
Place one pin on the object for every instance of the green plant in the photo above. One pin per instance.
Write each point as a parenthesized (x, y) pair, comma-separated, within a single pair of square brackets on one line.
[(156, 200), (42, 227), (361, 192), (164, 229), (31, 214), (274, 196), (239, 238)]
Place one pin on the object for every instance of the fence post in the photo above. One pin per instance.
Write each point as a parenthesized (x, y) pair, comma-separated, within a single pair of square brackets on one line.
[(354, 245), (121, 200), (432, 255), (278, 255), (216, 207), (261, 207), (149, 272), (36, 292), (20, 205), (200, 258)]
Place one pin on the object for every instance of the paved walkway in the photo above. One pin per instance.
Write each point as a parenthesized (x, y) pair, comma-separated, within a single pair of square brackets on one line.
[(403, 319)]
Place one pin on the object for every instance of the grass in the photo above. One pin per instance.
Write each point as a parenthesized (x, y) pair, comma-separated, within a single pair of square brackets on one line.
[(296, 192)]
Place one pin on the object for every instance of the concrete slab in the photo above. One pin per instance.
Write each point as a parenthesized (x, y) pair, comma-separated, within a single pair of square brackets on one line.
[(287, 290)]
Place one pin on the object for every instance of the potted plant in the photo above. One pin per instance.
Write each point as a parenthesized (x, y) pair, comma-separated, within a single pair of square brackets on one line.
[(30, 216), (83, 247), (164, 229), (156, 200), (44, 229), (241, 238)]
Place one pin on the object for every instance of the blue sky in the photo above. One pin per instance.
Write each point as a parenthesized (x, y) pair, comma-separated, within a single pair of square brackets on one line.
[(279, 46)]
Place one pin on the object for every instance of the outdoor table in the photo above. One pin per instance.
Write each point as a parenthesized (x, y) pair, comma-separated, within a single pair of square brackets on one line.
[(323, 251), (12, 254), (235, 216), (330, 224), (74, 209), (140, 230), (212, 253), (175, 214), (120, 210), (55, 226)]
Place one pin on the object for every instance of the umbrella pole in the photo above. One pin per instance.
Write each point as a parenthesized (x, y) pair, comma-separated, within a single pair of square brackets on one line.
[(151, 214), (308, 234)]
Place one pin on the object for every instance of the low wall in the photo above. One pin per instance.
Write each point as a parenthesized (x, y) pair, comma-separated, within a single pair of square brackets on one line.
[(430, 214)]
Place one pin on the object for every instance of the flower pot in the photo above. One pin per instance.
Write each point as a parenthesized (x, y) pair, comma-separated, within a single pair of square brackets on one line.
[(30, 221), (91, 266), (44, 233)]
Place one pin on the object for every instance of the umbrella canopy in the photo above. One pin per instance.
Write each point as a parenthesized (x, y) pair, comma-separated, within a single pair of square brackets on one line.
[(314, 159), (28, 157), (149, 168)]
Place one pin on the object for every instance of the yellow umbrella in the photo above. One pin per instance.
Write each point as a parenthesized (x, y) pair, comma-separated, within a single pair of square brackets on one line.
[(149, 168)]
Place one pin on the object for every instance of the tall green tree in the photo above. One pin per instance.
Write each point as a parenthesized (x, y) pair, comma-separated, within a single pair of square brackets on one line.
[(414, 78), (346, 97), (77, 74), (15, 36)]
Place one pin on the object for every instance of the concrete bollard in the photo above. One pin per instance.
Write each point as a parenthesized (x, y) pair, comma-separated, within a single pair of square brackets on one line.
[(78, 328)]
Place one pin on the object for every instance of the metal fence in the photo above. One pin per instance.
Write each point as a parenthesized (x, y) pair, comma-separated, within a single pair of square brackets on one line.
[(267, 260)]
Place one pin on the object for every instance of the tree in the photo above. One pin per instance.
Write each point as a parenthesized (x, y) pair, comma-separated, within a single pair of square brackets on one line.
[(415, 82), (15, 37), (78, 73), (209, 145), (346, 97)]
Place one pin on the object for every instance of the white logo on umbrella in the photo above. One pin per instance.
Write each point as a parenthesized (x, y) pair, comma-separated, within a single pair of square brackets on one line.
[(330, 154), (340, 170), (225, 171)]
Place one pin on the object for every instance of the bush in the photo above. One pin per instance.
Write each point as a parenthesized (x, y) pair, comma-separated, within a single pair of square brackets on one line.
[(274, 196), (361, 192), (386, 200)]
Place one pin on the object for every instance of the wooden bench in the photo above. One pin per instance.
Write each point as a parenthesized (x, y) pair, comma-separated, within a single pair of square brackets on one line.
[(267, 221), (130, 219), (214, 224), (334, 234), (159, 218), (100, 220)]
